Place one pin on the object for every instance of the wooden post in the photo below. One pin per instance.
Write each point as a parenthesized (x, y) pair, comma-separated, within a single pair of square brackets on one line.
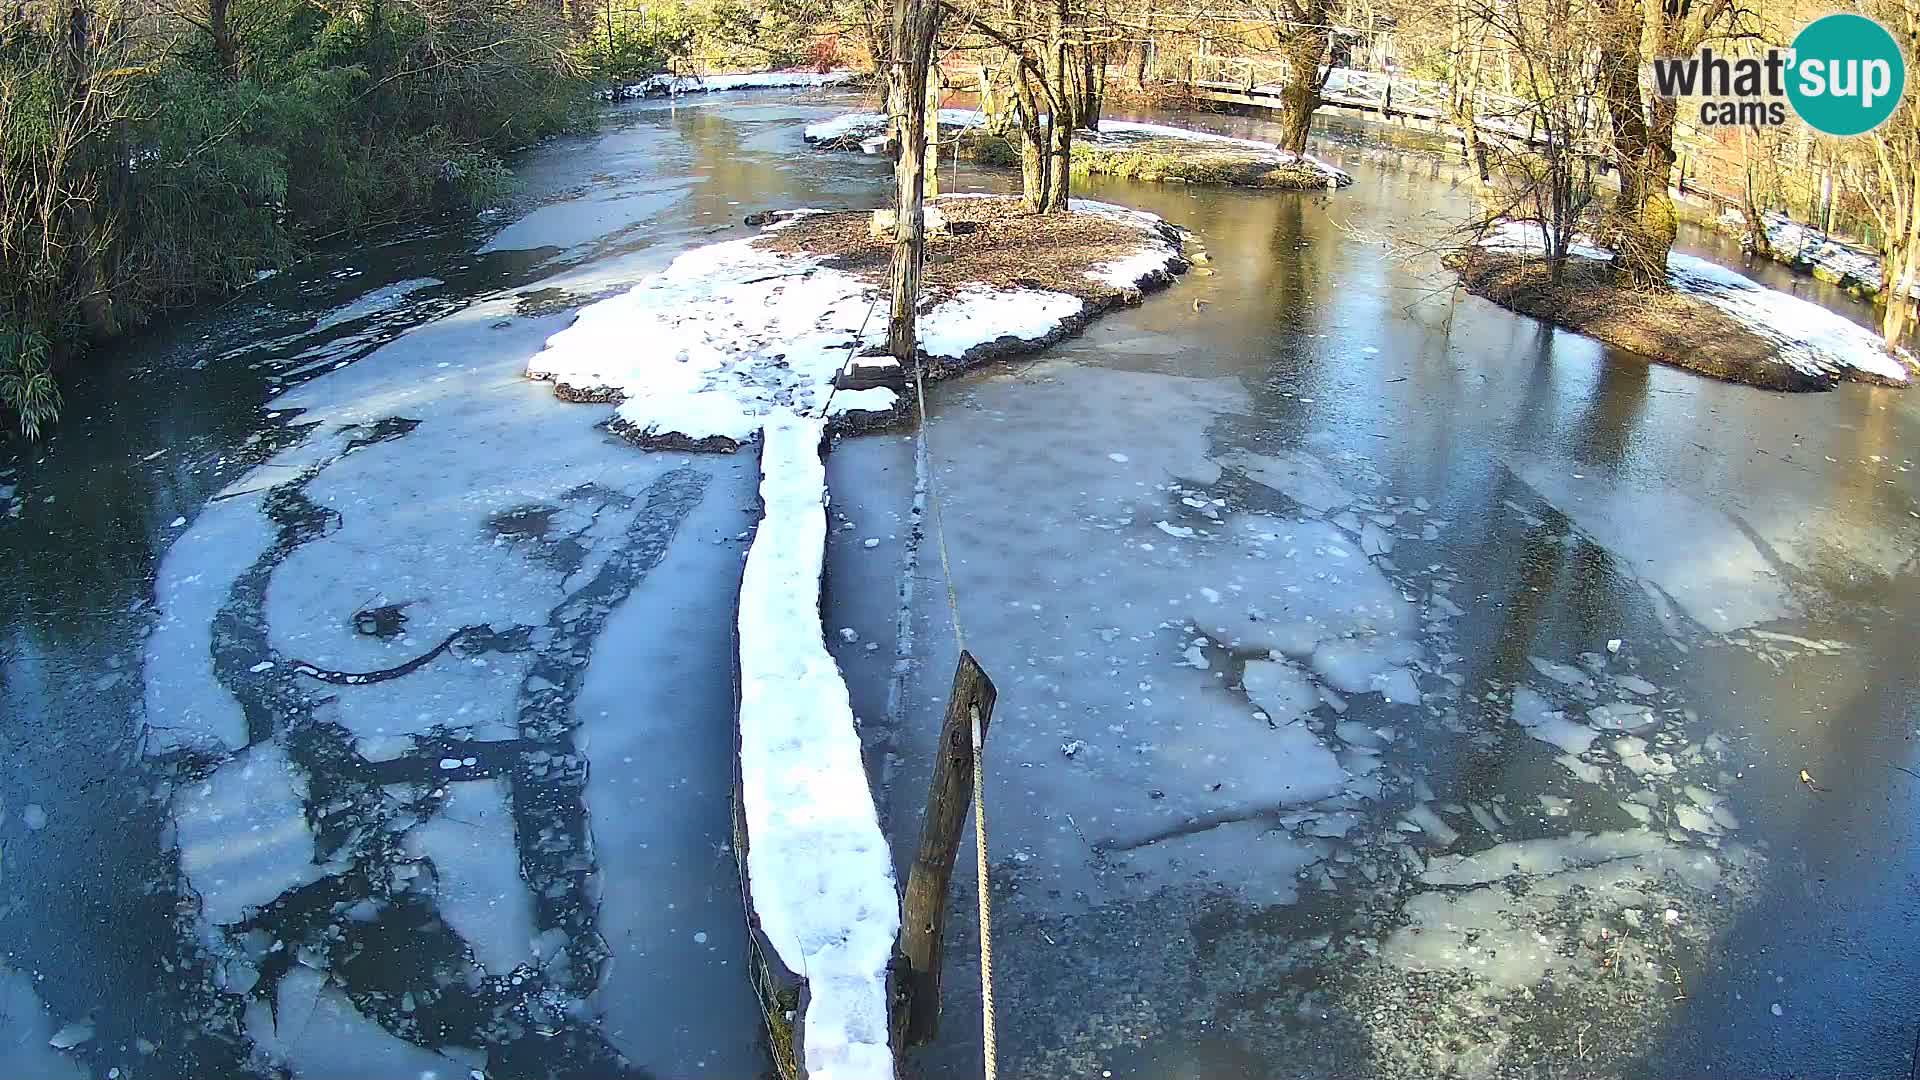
[(923, 919)]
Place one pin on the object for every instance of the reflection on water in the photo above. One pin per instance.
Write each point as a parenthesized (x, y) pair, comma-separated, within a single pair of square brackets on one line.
[(505, 847)]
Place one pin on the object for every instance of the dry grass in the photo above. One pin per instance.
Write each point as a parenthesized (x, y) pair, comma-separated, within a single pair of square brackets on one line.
[(994, 243), (1672, 328)]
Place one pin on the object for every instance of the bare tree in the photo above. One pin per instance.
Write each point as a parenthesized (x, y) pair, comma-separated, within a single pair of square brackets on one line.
[(1885, 166), (1539, 170)]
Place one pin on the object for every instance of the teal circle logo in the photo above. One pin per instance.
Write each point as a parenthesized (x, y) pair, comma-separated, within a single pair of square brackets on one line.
[(1847, 74)]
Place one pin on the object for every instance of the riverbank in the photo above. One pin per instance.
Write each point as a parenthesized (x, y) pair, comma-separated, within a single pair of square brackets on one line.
[(1810, 251), (782, 321), (668, 85), (1121, 148), (1712, 320)]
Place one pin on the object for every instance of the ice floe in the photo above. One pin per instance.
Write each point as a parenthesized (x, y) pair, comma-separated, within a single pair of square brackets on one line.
[(244, 835), (480, 892)]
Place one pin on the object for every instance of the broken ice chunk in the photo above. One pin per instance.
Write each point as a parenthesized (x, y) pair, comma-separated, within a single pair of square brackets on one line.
[(1423, 815), (1623, 716), (244, 837), (1280, 688), (1564, 674)]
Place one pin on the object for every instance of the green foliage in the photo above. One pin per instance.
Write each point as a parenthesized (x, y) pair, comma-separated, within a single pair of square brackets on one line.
[(628, 40), (27, 388), (171, 162)]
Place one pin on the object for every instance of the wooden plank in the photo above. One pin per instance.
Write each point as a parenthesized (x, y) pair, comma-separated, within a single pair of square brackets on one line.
[(923, 920)]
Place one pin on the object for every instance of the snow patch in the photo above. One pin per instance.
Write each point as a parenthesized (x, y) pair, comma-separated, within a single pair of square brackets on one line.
[(976, 315), (747, 80), (1809, 337)]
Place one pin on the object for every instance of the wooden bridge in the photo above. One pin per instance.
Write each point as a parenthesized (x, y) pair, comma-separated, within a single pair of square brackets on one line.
[(1429, 103), (1262, 82)]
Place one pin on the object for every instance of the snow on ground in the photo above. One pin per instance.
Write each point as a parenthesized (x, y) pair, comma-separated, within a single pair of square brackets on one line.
[(731, 335), (723, 338), (1114, 132), (749, 80), (480, 894), (1804, 246), (955, 326), (873, 123), (818, 869), (1810, 338), (244, 836)]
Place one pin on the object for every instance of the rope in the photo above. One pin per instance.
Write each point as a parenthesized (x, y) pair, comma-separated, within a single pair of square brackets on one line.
[(986, 902), (987, 1025)]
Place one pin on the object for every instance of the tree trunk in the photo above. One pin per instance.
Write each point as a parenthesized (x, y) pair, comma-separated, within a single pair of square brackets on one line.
[(1897, 322), (1059, 166), (1091, 87), (1060, 110), (1900, 269), (225, 45), (1642, 230), (1033, 143), (1304, 51), (915, 23), (931, 188)]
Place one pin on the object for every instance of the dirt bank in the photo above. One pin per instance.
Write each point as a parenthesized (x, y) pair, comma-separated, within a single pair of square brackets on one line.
[(1120, 148), (992, 244), (1674, 328)]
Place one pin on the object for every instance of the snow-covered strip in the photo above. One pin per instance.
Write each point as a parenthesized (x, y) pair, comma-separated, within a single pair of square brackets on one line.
[(1810, 338), (1133, 269), (749, 80), (977, 315), (730, 335), (873, 123), (818, 868)]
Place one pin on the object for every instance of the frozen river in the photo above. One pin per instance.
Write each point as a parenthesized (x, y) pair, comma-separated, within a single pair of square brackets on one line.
[(1388, 686)]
